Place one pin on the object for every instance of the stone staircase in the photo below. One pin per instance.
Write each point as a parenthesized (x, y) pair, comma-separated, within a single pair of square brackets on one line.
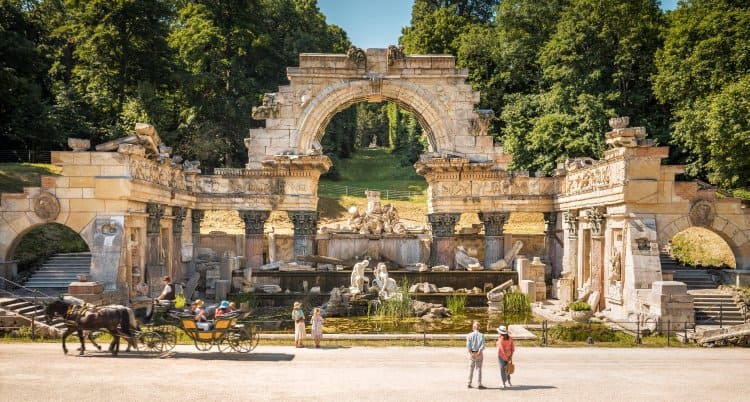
[(692, 277), (716, 308), (712, 307), (26, 309), (59, 271)]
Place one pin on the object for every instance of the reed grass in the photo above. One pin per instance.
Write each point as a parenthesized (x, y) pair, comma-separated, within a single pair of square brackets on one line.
[(456, 304)]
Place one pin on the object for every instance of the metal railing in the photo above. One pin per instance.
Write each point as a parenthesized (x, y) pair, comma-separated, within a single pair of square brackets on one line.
[(24, 156), (6, 283), (332, 189)]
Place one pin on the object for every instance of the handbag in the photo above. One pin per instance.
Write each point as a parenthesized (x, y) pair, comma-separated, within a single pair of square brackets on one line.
[(179, 301), (510, 367)]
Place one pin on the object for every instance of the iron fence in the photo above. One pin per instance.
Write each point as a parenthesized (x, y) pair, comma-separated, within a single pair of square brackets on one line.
[(332, 189), (24, 156)]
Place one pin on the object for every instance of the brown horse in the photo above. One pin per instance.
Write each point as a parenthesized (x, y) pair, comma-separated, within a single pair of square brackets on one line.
[(116, 319)]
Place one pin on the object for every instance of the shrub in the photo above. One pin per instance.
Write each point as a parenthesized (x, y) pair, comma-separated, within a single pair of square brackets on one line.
[(579, 306), (516, 302), (581, 333), (456, 304)]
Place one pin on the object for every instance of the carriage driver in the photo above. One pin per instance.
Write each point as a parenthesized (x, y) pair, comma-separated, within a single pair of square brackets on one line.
[(168, 293)]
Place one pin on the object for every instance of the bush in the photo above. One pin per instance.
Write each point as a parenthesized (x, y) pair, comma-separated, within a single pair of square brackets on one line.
[(579, 306), (456, 304), (516, 302), (581, 333)]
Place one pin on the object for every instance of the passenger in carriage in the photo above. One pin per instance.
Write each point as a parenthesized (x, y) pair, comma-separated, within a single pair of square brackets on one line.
[(224, 308), (200, 315)]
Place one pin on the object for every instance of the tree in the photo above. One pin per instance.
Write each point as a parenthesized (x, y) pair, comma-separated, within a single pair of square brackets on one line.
[(701, 71), (115, 48), (22, 72), (595, 65)]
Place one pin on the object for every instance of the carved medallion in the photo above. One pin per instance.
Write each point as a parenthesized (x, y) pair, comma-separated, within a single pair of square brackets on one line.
[(702, 213), (46, 206)]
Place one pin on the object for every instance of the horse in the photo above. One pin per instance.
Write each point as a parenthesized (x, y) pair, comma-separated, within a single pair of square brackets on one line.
[(79, 318)]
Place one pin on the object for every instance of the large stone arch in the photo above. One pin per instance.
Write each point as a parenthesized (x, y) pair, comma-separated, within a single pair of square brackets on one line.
[(430, 86), (427, 109), (18, 236)]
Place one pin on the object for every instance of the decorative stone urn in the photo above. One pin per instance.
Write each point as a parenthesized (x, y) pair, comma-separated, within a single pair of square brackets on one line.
[(79, 144), (581, 316)]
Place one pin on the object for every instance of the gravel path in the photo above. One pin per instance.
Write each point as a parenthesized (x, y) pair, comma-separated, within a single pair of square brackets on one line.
[(40, 372)]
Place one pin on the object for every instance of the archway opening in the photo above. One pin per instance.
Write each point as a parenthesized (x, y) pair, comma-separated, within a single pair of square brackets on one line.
[(42, 242), (373, 147), (701, 248)]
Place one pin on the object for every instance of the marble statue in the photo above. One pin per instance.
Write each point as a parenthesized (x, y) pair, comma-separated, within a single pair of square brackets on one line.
[(386, 286), (465, 261), (358, 277)]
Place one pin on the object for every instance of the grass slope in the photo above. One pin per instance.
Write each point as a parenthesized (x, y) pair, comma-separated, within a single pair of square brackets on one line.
[(15, 176)]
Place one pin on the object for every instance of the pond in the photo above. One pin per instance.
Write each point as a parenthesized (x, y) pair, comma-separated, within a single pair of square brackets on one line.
[(277, 319)]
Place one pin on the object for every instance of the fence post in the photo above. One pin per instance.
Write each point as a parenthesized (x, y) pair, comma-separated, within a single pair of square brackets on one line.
[(346, 189), (638, 332), (686, 338), (721, 315), (668, 325)]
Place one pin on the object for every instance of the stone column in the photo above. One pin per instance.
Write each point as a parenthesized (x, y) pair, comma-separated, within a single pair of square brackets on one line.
[(196, 216), (550, 229), (254, 221), (178, 268), (443, 250), (566, 284), (597, 255), (493, 236), (305, 226), (154, 269)]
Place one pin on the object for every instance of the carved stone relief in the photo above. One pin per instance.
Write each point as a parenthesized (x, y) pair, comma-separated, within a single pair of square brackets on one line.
[(46, 206), (395, 53), (357, 56), (598, 177), (702, 213)]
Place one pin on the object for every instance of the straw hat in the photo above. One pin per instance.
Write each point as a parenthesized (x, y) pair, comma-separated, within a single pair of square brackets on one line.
[(502, 330), (297, 304), (198, 303)]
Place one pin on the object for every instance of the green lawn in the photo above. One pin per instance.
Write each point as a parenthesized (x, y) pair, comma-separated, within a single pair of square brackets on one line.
[(15, 176), (374, 169)]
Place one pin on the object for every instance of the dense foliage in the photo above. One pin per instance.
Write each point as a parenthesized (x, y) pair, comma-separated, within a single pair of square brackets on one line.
[(554, 71)]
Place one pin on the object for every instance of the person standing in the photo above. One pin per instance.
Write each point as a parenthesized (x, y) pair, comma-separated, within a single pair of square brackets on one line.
[(299, 324), (505, 349), (317, 326), (475, 347)]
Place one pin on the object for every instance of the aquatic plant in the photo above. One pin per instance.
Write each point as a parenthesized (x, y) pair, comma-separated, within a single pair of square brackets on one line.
[(516, 302), (456, 304)]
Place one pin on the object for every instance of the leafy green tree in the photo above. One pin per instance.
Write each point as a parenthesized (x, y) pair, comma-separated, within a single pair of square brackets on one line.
[(114, 48), (701, 72), (595, 65), (22, 73)]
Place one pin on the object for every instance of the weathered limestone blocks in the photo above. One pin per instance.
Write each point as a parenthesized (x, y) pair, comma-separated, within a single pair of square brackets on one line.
[(670, 302)]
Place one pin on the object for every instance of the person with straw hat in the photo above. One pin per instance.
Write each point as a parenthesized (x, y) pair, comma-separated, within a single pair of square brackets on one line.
[(299, 324), (505, 349)]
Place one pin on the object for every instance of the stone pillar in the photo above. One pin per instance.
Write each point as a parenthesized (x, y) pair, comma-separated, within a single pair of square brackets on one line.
[(178, 268), (305, 226), (254, 221), (597, 256), (550, 229), (570, 249), (566, 284), (196, 216), (493, 236), (154, 268), (443, 251)]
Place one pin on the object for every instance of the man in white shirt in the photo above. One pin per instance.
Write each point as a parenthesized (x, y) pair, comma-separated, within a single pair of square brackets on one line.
[(475, 347)]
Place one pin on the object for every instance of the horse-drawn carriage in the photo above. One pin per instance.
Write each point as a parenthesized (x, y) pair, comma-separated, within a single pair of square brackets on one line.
[(229, 331), (160, 333)]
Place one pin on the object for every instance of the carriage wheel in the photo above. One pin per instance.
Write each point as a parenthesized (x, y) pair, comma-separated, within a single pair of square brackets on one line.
[(225, 344), (203, 345), (151, 341), (169, 336), (244, 340)]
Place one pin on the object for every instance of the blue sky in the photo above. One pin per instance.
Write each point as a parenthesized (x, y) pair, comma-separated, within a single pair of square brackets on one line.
[(378, 23)]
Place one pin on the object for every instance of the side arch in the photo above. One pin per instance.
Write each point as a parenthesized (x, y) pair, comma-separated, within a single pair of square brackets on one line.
[(728, 231), (15, 240), (319, 111)]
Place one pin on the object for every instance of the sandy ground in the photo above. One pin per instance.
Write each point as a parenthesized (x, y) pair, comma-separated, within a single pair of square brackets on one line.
[(40, 372)]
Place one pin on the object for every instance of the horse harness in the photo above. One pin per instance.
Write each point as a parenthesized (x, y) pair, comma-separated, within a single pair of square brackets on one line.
[(74, 313)]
